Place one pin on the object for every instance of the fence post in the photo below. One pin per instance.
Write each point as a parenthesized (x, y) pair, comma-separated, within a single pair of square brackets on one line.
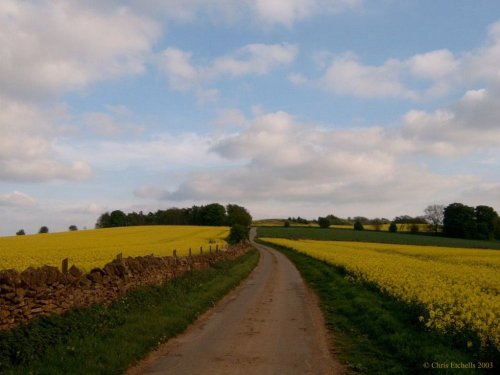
[(210, 249), (175, 254), (217, 248), (201, 250), (64, 266), (190, 254)]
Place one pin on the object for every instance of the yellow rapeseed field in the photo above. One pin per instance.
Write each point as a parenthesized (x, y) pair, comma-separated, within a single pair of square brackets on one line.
[(459, 288), (94, 248)]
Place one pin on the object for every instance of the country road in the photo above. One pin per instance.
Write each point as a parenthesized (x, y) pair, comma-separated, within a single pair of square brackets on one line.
[(270, 324)]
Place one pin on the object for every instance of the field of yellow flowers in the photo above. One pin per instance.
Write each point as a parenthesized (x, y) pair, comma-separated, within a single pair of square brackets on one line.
[(458, 288), (94, 248)]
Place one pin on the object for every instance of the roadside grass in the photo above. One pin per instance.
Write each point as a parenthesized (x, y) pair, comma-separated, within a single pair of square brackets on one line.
[(107, 340), (374, 333), (334, 234)]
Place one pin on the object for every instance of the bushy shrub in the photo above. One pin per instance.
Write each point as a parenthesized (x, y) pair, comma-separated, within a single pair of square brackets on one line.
[(358, 225), (238, 233)]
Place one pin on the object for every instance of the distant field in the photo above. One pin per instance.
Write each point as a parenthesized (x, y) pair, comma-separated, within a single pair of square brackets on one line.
[(334, 234), (94, 248), (383, 227)]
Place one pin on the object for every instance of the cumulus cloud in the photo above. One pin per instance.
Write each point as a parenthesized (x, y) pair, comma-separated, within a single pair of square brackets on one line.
[(26, 146), (347, 76), (49, 47), (421, 76), (281, 159), (252, 59), (470, 125)]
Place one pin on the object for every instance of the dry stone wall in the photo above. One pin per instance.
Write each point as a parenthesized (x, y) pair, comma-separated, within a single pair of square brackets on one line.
[(47, 290)]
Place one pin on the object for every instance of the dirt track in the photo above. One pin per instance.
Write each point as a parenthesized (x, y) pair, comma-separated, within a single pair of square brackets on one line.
[(270, 324)]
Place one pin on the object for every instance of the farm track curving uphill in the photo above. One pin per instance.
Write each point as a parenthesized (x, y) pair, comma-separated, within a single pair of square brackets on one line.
[(270, 324)]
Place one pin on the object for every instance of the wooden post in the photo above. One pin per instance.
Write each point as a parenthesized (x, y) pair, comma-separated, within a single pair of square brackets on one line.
[(65, 266), (190, 254), (119, 257), (175, 253), (201, 250), (210, 249)]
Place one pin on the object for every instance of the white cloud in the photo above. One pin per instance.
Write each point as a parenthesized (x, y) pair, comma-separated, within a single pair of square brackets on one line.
[(422, 76), (252, 59), (16, 199), (347, 76), (26, 146), (468, 126), (433, 65), (49, 47), (276, 158)]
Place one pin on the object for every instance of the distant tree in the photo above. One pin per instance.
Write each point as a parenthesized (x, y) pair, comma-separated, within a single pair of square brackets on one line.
[(20, 232), (434, 214), (393, 228), (459, 221), (103, 221), (238, 233), (117, 218), (486, 221), (358, 225), (213, 214), (44, 229), (286, 224), (363, 220), (414, 228), (238, 215), (334, 220), (73, 228), (323, 222)]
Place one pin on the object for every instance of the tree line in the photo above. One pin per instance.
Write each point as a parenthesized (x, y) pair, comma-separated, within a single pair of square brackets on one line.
[(455, 220), (213, 214)]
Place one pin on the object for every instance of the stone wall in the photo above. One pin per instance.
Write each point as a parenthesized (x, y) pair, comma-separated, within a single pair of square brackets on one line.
[(47, 290)]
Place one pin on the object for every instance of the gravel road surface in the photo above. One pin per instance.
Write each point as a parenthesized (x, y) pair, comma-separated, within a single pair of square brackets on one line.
[(270, 324)]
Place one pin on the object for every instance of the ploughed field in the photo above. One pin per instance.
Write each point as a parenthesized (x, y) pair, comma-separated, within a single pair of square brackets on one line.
[(88, 249), (455, 290)]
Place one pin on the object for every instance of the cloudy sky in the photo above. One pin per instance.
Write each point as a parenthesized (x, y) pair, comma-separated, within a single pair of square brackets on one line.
[(288, 107)]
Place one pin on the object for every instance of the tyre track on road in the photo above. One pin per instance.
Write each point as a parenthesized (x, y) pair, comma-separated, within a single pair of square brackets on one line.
[(270, 324)]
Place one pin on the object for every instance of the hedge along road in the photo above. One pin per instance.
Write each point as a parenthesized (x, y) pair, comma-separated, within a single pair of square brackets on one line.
[(270, 324)]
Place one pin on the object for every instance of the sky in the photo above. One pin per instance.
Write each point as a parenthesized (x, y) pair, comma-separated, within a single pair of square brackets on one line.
[(373, 108)]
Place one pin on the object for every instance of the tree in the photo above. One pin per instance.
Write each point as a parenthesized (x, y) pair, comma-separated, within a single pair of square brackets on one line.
[(358, 225), (238, 233), (117, 218), (73, 228), (20, 232), (459, 221), (287, 224), (103, 221), (393, 228), (213, 214), (486, 221), (44, 229), (323, 222), (434, 214), (238, 215)]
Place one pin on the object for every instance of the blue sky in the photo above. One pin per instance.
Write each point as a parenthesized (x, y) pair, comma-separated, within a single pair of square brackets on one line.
[(288, 107)]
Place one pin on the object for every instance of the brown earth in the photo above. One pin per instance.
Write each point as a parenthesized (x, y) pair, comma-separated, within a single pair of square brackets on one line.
[(270, 324)]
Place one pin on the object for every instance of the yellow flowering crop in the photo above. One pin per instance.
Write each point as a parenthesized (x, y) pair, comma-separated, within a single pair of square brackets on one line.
[(94, 248), (459, 288)]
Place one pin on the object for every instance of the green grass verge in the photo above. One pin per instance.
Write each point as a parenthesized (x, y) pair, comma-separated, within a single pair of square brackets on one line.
[(333, 234), (106, 340), (374, 333)]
